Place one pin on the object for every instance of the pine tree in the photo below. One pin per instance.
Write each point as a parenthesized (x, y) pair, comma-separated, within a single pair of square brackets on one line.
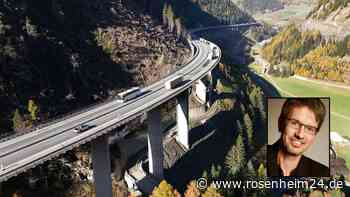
[(170, 16), (165, 190), (260, 104), (215, 171), (17, 120), (164, 14), (235, 158), (249, 129)]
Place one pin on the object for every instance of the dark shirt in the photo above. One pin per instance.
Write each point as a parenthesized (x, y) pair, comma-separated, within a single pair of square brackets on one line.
[(306, 166)]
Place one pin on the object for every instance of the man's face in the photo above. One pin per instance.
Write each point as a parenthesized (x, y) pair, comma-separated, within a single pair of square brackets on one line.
[(297, 136)]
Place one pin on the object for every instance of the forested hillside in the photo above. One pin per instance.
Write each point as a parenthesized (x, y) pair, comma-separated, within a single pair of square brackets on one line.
[(308, 54), (254, 6), (319, 47), (331, 18), (56, 56), (196, 13), (326, 8), (60, 55)]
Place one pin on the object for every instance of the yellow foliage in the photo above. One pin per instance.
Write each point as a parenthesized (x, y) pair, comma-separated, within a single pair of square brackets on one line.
[(308, 55), (165, 190), (192, 190), (211, 192), (261, 171)]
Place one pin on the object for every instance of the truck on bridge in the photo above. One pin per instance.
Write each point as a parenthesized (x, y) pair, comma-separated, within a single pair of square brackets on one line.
[(129, 94), (174, 82)]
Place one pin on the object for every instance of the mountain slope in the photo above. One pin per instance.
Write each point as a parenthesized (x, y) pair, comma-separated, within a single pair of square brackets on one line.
[(66, 54), (331, 17), (335, 9), (253, 6), (310, 55)]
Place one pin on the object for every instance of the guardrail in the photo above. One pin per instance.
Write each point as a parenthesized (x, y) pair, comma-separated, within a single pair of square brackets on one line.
[(54, 151), (65, 116), (60, 148)]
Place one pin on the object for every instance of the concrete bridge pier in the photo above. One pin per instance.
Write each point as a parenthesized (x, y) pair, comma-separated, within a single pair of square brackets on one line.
[(155, 144), (209, 96), (212, 75), (102, 166), (182, 119)]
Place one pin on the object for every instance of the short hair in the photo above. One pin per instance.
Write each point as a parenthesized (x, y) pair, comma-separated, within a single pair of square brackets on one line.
[(314, 104)]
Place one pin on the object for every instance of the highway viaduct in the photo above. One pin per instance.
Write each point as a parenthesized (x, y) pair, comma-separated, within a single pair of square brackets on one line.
[(11, 150)]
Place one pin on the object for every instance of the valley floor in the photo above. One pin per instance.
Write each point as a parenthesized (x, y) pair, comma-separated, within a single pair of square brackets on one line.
[(300, 87)]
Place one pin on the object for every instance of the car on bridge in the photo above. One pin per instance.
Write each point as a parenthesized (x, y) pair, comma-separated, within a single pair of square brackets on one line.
[(83, 127)]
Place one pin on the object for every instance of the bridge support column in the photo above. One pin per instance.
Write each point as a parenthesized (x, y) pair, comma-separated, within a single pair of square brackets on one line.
[(212, 86), (182, 119), (209, 95), (155, 144), (102, 166)]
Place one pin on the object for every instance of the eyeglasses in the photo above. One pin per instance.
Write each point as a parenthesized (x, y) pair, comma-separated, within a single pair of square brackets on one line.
[(296, 125)]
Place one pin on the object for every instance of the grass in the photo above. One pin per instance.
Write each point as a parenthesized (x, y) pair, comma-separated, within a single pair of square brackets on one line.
[(339, 104), (339, 99), (286, 15)]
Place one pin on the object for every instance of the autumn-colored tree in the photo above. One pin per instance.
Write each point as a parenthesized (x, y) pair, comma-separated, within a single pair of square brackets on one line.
[(261, 173), (192, 190), (33, 109), (211, 192), (17, 120), (261, 170), (249, 129), (165, 190)]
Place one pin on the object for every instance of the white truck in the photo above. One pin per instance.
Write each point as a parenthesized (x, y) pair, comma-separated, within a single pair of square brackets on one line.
[(129, 94)]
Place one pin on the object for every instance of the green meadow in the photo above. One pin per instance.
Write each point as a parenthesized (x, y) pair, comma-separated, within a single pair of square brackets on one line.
[(340, 103), (340, 99)]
